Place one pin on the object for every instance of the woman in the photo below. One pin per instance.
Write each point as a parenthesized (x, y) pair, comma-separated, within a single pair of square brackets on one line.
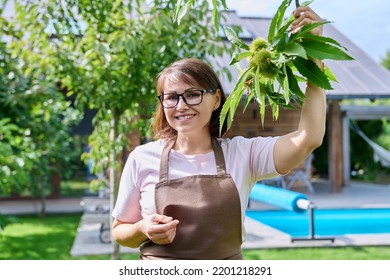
[(184, 195)]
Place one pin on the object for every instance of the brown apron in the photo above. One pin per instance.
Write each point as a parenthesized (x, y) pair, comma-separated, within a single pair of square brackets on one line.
[(208, 209)]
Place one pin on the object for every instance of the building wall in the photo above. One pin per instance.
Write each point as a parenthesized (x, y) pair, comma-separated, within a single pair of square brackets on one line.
[(248, 124)]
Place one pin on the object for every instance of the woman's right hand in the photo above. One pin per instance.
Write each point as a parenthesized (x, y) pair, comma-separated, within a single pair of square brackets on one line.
[(305, 15), (160, 229)]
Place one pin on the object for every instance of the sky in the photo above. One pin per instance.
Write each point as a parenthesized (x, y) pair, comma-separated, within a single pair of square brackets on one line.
[(366, 23)]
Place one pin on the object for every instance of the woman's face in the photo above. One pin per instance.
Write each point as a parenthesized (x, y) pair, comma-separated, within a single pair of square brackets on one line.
[(190, 119)]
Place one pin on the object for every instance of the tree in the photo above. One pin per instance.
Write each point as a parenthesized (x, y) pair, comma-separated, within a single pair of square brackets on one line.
[(35, 119), (15, 164), (107, 54), (386, 60)]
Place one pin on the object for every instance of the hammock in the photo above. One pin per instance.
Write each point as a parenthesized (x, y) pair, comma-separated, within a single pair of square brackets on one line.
[(380, 154)]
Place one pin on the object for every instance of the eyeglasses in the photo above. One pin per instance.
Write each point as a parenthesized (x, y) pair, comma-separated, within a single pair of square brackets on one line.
[(190, 97)]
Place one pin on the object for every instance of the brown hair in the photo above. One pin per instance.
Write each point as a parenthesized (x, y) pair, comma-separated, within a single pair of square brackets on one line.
[(194, 72)]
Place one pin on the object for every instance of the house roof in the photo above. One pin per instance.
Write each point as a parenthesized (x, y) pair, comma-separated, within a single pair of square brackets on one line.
[(360, 78)]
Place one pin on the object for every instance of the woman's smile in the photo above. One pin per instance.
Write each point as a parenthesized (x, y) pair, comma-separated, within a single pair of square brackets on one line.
[(185, 117)]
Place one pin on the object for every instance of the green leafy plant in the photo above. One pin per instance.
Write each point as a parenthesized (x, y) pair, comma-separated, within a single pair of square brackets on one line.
[(277, 64), (6, 220), (182, 8)]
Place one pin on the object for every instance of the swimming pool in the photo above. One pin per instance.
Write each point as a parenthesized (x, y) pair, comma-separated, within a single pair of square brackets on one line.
[(327, 222)]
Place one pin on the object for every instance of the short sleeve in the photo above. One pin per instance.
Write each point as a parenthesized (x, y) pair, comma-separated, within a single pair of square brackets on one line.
[(127, 207), (253, 157)]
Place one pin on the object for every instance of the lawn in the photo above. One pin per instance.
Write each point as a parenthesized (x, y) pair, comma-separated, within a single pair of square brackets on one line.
[(74, 188), (51, 238)]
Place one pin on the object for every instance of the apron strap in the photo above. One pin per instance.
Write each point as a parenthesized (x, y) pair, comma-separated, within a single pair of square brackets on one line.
[(218, 153), (164, 159), (219, 158)]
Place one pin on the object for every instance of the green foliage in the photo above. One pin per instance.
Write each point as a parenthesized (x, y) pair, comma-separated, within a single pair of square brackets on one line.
[(5, 221), (182, 7), (386, 60), (74, 188), (112, 66), (35, 118), (284, 59), (102, 55), (384, 138), (362, 158), (15, 160), (363, 166), (311, 71)]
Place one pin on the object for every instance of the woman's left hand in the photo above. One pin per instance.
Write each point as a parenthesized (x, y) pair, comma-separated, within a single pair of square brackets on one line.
[(303, 16)]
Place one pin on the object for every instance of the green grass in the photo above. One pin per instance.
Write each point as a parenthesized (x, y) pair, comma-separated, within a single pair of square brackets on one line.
[(74, 188), (338, 253), (48, 238), (51, 238), (33, 238)]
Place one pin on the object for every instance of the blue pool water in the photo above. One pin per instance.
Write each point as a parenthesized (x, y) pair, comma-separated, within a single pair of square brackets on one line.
[(327, 222)]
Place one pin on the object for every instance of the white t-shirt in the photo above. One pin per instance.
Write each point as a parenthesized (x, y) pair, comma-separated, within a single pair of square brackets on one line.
[(247, 160)]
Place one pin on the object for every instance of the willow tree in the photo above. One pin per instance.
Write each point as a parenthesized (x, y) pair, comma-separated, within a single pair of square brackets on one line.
[(107, 54)]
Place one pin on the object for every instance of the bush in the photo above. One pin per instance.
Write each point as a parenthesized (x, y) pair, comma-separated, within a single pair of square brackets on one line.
[(4, 221)]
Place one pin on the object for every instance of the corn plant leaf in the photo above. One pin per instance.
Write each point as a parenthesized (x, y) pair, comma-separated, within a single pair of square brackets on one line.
[(312, 72), (321, 50), (232, 36)]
